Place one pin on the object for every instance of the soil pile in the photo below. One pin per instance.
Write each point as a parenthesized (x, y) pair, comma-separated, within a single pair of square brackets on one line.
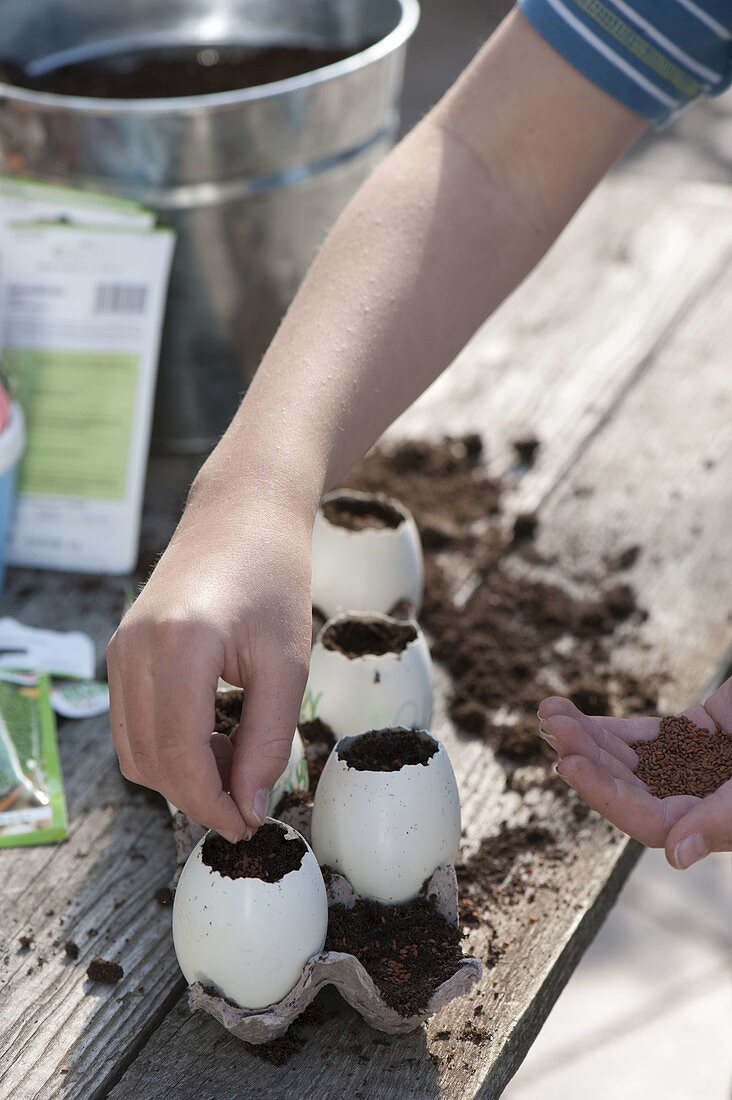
[(409, 950), (268, 856), (388, 750), (518, 637), (685, 759)]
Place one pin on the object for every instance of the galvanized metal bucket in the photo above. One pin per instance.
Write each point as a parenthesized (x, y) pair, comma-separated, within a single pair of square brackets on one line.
[(251, 180)]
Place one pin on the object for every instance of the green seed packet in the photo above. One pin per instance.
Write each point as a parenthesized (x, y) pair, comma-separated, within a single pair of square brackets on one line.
[(32, 802)]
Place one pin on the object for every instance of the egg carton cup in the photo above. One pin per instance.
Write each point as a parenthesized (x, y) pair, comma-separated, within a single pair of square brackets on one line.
[(349, 977)]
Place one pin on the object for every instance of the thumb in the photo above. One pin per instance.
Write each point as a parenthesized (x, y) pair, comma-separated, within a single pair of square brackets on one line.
[(707, 828), (264, 737)]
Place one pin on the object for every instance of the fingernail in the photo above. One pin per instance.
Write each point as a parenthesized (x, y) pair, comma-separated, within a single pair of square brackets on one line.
[(561, 774), (690, 850), (551, 741), (260, 803)]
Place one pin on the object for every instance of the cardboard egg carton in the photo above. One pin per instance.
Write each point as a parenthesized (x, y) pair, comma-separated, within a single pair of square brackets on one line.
[(335, 968)]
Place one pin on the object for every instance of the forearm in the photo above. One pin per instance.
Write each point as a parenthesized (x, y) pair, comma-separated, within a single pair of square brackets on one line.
[(443, 231)]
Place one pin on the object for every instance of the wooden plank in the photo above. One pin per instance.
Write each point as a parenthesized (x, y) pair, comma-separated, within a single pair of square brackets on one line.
[(561, 353), (49, 1017), (668, 425), (57, 1031)]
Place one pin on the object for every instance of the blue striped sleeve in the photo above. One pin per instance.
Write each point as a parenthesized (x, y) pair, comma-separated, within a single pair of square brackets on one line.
[(654, 56)]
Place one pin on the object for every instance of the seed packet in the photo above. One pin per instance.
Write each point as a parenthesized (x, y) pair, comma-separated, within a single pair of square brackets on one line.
[(32, 802)]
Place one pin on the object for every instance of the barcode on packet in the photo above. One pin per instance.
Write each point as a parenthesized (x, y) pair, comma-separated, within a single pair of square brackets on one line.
[(116, 298)]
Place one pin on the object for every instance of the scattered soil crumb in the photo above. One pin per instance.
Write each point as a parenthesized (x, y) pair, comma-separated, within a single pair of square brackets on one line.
[(71, 949), (626, 559), (525, 526), (104, 971), (164, 896), (278, 1052), (473, 1034), (503, 869), (526, 449), (26, 941)]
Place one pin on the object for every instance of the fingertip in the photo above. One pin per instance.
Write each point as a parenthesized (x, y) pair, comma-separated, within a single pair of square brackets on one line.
[(572, 766), (688, 851), (552, 705)]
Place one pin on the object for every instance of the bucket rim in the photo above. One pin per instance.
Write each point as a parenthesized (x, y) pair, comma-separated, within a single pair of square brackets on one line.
[(401, 33)]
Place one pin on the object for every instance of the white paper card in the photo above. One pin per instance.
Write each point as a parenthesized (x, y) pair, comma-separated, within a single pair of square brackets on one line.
[(59, 653)]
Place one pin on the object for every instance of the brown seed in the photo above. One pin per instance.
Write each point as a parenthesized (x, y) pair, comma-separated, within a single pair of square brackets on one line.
[(684, 759)]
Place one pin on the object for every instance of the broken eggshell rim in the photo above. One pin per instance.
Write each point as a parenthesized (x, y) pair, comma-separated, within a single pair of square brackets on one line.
[(349, 738), (370, 616), (291, 834), (406, 517)]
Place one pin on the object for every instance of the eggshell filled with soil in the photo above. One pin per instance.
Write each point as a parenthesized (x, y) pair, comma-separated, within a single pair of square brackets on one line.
[(369, 672), (387, 812), (248, 916), (367, 555)]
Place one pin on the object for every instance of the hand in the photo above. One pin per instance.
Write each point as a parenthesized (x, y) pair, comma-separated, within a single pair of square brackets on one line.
[(597, 760), (230, 597)]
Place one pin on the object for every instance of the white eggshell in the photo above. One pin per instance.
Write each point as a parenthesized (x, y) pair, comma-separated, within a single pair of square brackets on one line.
[(369, 570), (247, 938), (356, 694), (387, 832), (295, 776)]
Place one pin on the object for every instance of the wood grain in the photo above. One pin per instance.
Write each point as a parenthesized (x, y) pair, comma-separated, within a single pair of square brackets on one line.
[(613, 354)]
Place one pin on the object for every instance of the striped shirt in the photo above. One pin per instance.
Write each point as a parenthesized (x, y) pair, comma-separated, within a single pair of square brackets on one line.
[(654, 56)]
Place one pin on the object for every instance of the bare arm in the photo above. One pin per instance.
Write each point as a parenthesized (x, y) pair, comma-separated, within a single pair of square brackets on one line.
[(443, 231)]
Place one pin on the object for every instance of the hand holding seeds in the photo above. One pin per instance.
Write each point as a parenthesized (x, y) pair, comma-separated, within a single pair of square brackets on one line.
[(665, 781), (230, 597)]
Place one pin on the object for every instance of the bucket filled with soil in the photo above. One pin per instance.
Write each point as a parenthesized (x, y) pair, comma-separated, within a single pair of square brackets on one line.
[(245, 126)]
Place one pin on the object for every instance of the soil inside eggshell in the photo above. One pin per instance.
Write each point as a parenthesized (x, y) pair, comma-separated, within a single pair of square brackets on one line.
[(228, 710), (268, 856), (408, 950), (362, 514), (387, 750), (360, 636)]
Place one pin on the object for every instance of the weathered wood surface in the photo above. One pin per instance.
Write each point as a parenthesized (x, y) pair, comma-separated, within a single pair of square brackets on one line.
[(613, 352)]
